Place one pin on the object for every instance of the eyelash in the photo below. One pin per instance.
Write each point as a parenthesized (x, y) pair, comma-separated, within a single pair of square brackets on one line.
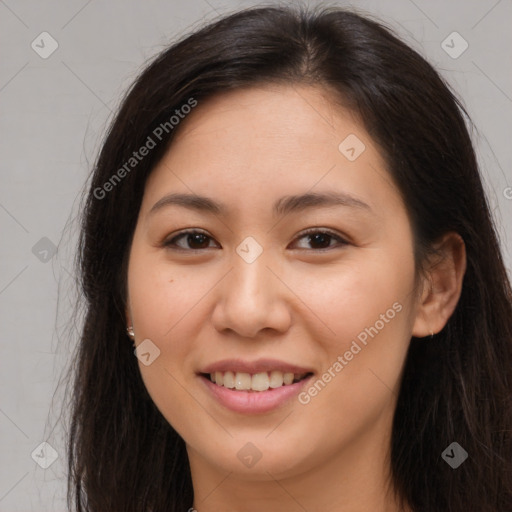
[(171, 243)]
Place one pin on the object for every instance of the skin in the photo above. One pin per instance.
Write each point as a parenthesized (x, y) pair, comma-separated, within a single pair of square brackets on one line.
[(296, 302)]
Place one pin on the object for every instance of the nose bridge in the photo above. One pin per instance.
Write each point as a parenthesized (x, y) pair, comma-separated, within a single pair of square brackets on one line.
[(251, 297), (250, 283)]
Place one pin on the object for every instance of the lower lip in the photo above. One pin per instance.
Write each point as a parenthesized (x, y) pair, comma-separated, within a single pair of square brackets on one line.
[(254, 402)]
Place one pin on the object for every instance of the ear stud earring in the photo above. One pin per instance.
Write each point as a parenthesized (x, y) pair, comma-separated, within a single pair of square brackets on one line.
[(131, 333)]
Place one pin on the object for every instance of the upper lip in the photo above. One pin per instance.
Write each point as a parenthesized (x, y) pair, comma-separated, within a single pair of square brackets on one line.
[(258, 366)]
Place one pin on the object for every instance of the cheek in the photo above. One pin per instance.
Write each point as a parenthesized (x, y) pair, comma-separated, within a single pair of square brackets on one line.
[(162, 300), (358, 389), (354, 295), (163, 297), (367, 308), (161, 304)]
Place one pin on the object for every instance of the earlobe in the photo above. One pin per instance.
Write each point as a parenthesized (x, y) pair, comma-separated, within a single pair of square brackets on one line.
[(442, 287)]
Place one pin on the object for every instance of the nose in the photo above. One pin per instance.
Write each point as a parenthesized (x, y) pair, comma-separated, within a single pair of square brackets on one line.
[(252, 299)]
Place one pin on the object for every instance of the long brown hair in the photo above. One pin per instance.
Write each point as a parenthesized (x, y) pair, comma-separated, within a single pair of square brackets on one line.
[(122, 454)]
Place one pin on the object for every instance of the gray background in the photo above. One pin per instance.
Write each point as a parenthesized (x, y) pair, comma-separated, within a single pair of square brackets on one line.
[(53, 115)]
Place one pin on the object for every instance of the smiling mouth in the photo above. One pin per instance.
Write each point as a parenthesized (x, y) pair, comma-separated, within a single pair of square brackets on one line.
[(263, 381)]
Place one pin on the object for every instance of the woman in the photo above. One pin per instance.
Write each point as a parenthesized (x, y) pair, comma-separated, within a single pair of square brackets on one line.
[(287, 220)]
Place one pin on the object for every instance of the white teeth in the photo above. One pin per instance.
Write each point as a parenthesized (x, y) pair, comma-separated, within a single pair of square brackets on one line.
[(229, 380), (242, 381), (276, 379), (257, 382), (260, 382), (288, 378)]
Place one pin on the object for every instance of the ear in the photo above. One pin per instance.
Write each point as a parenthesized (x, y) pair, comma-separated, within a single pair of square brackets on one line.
[(442, 286)]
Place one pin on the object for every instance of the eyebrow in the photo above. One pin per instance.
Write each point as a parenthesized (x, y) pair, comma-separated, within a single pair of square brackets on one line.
[(283, 206)]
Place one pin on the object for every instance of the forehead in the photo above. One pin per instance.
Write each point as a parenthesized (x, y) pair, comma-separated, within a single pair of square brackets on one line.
[(272, 112), (252, 142)]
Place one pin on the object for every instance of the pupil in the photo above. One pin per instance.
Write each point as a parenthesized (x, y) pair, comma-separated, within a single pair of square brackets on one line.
[(193, 238), (319, 237)]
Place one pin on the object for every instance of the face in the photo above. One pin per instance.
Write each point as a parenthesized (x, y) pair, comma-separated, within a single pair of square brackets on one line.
[(299, 262)]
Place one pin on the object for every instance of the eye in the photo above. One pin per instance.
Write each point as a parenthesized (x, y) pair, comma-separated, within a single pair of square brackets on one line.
[(322, 237), (196, 240)]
